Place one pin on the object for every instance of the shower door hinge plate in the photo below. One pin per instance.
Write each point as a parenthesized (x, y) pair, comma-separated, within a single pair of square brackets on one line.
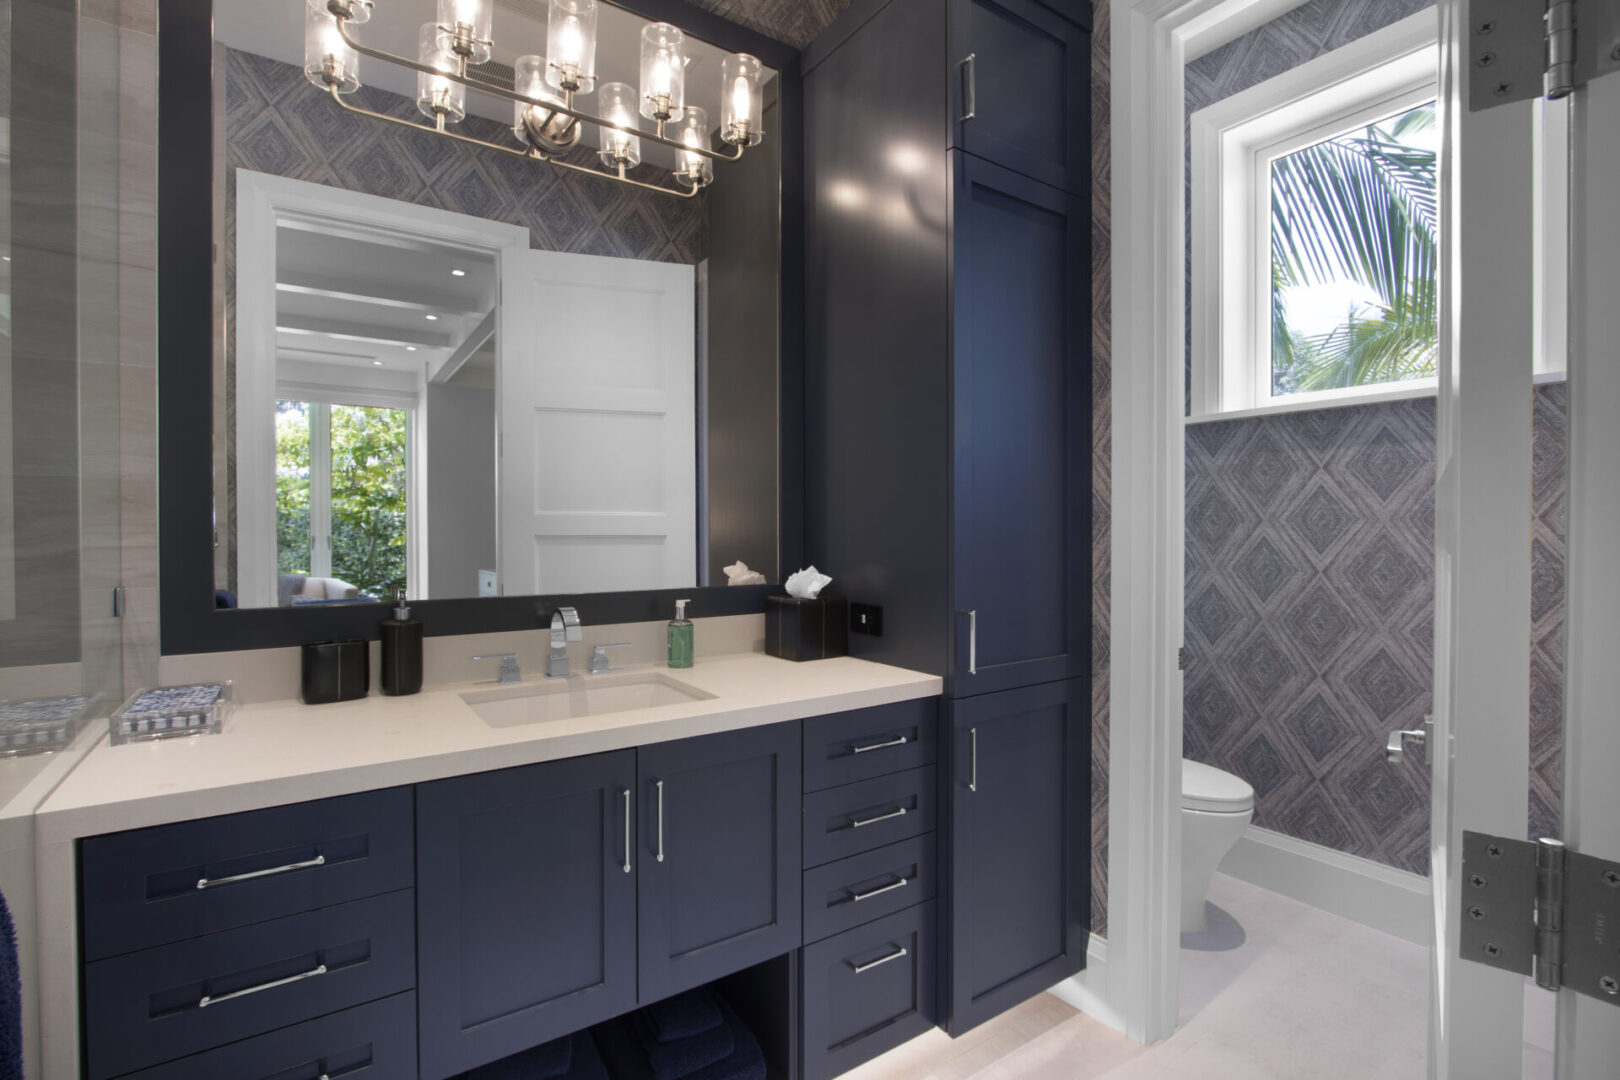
[(1541, 909), (1521, 49)]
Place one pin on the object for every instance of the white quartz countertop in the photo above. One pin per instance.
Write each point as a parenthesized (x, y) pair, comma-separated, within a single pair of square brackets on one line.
[(274, 753)]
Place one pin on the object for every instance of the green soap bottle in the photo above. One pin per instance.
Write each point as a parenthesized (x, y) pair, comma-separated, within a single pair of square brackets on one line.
[(680, 637)]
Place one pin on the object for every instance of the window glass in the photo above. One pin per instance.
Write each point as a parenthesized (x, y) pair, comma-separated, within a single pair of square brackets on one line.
[(1354, 258)]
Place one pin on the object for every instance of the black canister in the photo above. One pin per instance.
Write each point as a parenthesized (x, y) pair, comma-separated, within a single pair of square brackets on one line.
[(335, 671), (401, 650)]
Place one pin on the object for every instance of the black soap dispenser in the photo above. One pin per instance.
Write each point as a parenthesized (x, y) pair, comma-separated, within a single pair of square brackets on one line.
[(401, 650)]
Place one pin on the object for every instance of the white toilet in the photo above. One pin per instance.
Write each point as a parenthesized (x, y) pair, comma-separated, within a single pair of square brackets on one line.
[(1215, 809)]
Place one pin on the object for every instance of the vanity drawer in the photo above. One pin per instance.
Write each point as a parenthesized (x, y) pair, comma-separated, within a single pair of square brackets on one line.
[(848, 820), (370, 1042), (172, 882), (849, 746), (868, 886), (867, 991), (144, 1008)]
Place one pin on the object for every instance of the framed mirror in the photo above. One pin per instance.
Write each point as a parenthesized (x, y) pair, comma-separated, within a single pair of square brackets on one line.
[(440, 316)]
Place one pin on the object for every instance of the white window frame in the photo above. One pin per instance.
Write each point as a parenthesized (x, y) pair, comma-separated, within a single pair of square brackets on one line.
[(1232, 144)]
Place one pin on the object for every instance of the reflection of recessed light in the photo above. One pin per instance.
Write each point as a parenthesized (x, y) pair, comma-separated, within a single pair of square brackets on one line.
[(376, 363), (6, 257), (432, 318), (458, 273), (410, 348)]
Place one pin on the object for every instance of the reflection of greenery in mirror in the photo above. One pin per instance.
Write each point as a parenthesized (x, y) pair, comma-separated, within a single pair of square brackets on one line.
[(1353, 258), (352, 527)]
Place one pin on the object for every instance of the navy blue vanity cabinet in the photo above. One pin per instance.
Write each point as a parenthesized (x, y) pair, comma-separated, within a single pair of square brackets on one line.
[(1019, 878), (1020, 81), (717, 862), (1021, 472), (526, 907)]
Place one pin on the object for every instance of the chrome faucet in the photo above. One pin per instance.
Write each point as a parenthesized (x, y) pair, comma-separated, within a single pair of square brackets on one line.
[(509, 667), (564, 628)]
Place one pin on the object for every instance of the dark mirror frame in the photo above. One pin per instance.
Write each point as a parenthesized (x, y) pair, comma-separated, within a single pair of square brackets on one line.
[(190, 622)]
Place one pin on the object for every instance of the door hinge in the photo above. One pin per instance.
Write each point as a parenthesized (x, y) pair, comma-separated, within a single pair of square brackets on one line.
[(1519, 49), (120, 602), (1541, 909), (1181, 658)]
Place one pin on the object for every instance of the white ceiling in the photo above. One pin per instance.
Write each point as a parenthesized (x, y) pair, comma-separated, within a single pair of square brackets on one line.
[(275, 28)]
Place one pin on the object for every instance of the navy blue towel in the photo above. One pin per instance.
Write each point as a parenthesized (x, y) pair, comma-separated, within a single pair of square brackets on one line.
[(11, 1049), (682, 1057), (681, 1016), (627, 1058), (544, 1062)]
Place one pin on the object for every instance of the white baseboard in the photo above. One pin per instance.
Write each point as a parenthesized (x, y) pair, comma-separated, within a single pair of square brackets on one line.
[(1363, 891), (1088, 991)]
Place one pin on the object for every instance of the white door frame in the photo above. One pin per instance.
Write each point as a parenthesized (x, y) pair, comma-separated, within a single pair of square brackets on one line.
[(1152, 40), (261, 201)]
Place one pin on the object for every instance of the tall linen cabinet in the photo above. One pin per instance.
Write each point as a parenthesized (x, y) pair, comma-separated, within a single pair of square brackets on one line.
[(948, 338)]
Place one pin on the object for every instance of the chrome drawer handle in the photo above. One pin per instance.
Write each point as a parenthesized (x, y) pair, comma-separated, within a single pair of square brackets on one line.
[(856, 823), (659, 784), (900, 741), (857, 897), (209, 883), (970, 86), (900, 950), (626, 794), (207, 1000), (973, 759), (973, 640)]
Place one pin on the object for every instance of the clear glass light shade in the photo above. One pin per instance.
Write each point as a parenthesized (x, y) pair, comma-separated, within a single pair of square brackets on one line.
[(616, 102), (741, 103), (529, 78), (694, 169), (571, 45), (328, 60), (465, 28), (436, 96), (359, 10), (663, 72)]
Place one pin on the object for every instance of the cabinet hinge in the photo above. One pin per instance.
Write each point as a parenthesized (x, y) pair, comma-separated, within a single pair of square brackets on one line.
[(1519, 49), (1541, 909)]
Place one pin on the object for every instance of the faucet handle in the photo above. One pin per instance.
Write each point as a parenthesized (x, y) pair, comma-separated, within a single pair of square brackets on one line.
[(599, 658), (509, 667)]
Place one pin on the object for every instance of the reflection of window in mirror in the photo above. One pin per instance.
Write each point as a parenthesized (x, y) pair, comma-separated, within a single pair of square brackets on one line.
[(518, 322)]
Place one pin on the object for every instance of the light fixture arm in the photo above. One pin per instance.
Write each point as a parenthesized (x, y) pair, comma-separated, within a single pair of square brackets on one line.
[(339, 10), (683, 193)]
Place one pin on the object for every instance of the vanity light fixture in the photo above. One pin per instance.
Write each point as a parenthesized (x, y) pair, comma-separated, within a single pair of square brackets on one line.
[(546, 118)]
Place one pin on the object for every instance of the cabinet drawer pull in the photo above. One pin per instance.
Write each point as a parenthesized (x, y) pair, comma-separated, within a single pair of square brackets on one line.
[(973, 759), (899, 951), (973, 640), (970, 86), (626, 794), (888, 815), (898, 883), (207, 999), (659, 786), (900, 740), (209, 883)]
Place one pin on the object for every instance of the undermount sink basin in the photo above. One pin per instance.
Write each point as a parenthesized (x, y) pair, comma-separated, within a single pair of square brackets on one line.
[(590, 695)]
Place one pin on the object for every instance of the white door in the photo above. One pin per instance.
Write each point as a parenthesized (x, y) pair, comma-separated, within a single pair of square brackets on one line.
[(1493, 305), (596, 381)]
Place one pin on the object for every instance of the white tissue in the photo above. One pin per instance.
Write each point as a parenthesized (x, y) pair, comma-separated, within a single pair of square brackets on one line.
[(807, 584), (739, 574)]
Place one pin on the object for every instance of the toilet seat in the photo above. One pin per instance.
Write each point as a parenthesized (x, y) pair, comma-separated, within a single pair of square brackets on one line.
[(1212, 791)]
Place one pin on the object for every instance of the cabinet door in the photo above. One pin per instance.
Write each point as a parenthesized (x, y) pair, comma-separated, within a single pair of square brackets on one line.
[(1019, 847), (1022, 412), (525, 910), (1020, 84), (719, 855)]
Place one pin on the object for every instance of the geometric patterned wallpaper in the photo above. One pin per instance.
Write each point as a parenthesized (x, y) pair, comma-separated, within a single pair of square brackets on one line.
[(1310, 575)]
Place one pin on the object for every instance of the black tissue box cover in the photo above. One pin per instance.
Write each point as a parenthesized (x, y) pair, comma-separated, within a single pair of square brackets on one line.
[(335, 671), (798, 629)]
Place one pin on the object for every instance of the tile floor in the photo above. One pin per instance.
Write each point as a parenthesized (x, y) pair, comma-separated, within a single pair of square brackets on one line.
[(1275, 990)]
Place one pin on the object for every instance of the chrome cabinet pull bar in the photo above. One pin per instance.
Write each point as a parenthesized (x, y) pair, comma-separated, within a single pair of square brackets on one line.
[(209, 883), (861, 749), (973, 640), (856, 823), (970, 86), (898, 883), (627, 841), (659, 785), (973, 759), (899, 951), (214, 999)]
